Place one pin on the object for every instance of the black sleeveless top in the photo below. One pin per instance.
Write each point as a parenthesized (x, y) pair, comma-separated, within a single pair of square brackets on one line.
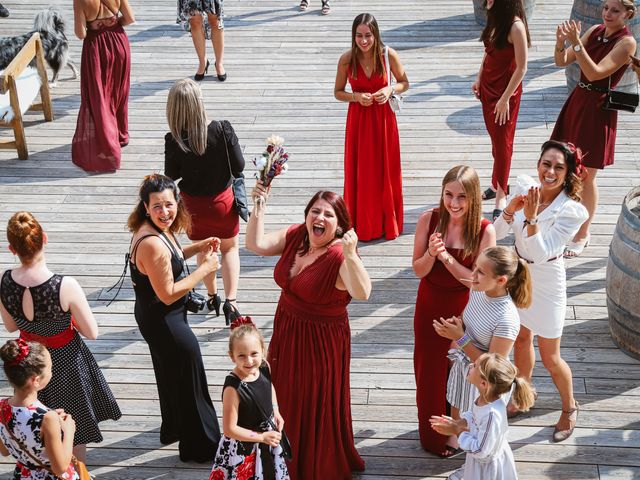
[(141, 283), (248, 415)]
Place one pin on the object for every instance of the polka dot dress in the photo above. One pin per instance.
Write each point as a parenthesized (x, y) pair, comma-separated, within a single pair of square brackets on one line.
[(77, 384)]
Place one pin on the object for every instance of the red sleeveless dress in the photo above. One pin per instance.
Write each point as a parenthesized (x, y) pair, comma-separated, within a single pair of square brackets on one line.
[(103, 124), (497, 70), (582, 120), (372, 170), (439, 295), (309, 354)]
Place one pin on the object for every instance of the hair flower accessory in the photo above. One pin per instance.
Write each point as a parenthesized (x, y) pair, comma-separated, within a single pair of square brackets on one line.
[(273, 160), (241, 321), (577, 154), (22, 354)]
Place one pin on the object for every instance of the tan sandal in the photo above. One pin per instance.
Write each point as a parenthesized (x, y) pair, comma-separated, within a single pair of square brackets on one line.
[(571, 416)]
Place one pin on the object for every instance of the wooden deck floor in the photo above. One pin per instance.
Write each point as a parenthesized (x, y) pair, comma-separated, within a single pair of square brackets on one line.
[(281, 67)]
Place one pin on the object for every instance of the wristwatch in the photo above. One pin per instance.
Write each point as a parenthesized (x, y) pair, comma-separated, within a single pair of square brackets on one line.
[(533, 221), (577, 48)]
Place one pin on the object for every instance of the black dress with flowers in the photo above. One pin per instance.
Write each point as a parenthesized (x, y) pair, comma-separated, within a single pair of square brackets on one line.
[(24, 424), (188, 8), (236, 460)]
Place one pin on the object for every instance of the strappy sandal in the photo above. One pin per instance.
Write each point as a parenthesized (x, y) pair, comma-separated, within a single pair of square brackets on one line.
[(450, 452), (489, 194), (572, 416), (575, 249), (304, 4), (326, 8)]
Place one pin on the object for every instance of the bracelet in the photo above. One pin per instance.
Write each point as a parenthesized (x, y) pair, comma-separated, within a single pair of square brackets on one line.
[(507, 214), (463, 341), (560, 50), (353, 95), (429, 252), (393, 92)]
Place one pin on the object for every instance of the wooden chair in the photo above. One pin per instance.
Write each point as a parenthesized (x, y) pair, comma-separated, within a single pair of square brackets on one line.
[(21, 100)]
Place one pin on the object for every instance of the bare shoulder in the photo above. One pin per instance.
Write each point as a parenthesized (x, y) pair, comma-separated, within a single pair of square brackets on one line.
[(345, 58), (425, 218)]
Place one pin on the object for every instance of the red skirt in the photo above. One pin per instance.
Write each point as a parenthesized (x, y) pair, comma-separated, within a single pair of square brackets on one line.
[(213, 216)]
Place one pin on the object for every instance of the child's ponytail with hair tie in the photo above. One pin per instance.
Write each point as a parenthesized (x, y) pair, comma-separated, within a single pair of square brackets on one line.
[(519, 285), (523, 396)]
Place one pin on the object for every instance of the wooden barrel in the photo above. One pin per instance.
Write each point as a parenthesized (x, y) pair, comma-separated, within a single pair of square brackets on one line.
[(623, 277), (589, 12), (481, 14)]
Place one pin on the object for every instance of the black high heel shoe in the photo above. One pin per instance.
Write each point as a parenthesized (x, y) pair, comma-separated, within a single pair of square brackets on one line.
[(221, 76), (200, 76), (213, 303), (230, 311)]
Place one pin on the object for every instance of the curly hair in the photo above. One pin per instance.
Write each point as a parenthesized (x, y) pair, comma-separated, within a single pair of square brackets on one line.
[(573, 159)]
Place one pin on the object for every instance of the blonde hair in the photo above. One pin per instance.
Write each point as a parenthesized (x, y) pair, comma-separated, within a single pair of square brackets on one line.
[(468, 178), (186, 116), (501, 374), (25, 235), (628, 5), (506, 262), (242, 331)]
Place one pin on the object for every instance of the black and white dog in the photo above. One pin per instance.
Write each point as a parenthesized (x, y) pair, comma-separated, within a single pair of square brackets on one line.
[(50, 24)]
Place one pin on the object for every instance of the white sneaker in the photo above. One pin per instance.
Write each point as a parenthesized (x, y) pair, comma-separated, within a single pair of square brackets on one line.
[(457, 475)]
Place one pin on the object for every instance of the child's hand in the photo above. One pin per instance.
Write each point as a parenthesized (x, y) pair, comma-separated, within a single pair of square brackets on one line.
[(271, 438), (278, 420), (450, 328), (446, 425), (67, 424)]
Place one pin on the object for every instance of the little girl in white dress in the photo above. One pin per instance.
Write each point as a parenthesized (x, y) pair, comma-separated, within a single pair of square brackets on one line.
[(482, 431)]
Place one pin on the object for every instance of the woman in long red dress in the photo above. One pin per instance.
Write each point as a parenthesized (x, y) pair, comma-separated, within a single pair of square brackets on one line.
[(447, 242), (372, 171), (603, 53), (319, 272), (103, 121), (499, 87)]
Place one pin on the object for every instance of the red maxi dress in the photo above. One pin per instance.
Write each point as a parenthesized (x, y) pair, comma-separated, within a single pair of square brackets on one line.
[(439, 295), (372, 171), (309, 353), (103, 125), (497, 70), (582, 120)]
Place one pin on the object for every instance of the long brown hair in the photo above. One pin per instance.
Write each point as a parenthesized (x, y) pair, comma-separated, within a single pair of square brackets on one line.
[(155, 183), (25, 235), (378, 47), (573, 159), (500, 18), (468, 178), (342, 215), (506, 262)]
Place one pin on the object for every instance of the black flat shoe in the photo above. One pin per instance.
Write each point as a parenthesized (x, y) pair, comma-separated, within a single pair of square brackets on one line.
[(488, 194), (230, 311), (213, 303), (198, 77), (222, 77)]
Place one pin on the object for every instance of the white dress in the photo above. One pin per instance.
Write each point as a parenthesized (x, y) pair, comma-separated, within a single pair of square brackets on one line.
[(489, 455), (557, 224)]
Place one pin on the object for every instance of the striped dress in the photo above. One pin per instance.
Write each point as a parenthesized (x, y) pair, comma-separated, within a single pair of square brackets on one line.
[(484, 317)]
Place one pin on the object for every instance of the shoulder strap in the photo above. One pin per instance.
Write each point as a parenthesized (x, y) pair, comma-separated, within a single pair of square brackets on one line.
[(244, 390), (25, 450), (386, 66), (226, 149), (120, 281)]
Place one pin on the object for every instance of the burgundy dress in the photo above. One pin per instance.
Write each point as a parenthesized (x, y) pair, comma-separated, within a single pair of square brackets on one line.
[(497, 70), (309, 355), (372, 171), (439, 295), (103, 125), (582, 120)]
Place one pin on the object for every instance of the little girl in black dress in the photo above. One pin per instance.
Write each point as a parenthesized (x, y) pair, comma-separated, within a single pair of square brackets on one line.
[(249, 448)]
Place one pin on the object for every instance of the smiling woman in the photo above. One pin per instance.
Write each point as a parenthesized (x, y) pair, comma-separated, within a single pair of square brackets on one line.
[(319, 272)]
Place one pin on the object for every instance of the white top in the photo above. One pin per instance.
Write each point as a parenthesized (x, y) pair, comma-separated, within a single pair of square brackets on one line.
[(485, 317), (489, 455), (557, 224)]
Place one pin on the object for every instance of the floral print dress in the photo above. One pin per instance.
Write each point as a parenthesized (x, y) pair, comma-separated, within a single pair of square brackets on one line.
[(188, 8), (25, 424)]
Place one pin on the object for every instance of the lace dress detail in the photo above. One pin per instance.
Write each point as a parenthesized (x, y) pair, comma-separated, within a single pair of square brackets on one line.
[(25, 423), (77, 384)]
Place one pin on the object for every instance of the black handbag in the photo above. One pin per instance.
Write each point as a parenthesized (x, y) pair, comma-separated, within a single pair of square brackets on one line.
[(616, 100), (237, 185)]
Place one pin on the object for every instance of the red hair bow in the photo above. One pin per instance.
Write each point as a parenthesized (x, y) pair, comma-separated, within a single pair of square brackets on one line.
[(22, 354), (241, 321), (577, 154)]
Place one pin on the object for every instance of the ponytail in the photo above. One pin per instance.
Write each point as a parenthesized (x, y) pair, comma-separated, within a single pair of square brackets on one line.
[(523, 396), (519, 286)]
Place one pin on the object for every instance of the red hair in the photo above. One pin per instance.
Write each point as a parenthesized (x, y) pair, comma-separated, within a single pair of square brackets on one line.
[(342, 215), (25, 235)]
